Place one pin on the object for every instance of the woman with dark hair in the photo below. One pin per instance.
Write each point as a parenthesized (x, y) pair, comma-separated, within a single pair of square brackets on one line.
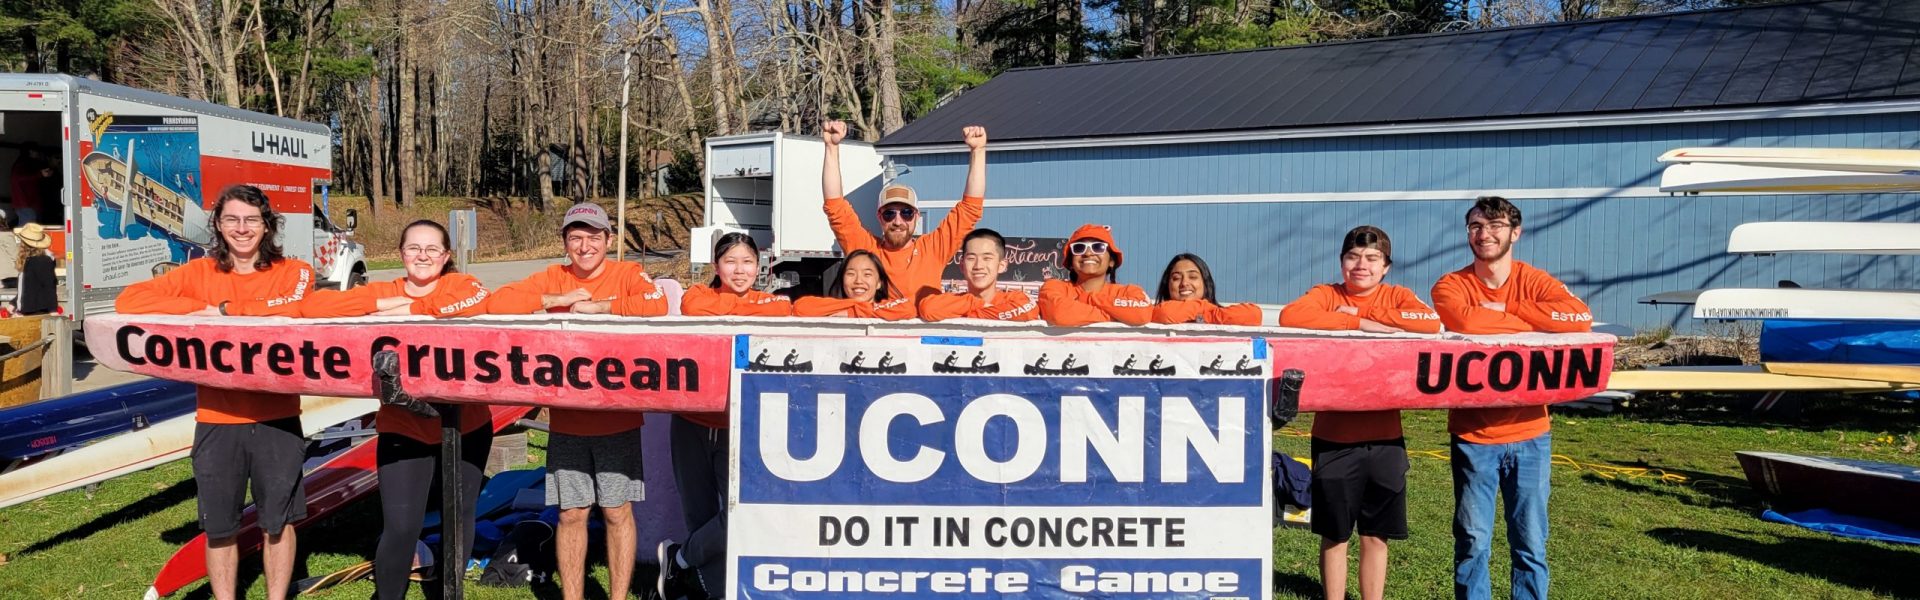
[(241, 439), (1186, 296), (736, 266), (697, 566), (862, 290), (408, 451), (1093, 296)]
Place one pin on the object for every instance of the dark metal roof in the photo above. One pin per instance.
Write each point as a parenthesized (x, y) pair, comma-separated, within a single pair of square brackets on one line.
[(1781, 54)]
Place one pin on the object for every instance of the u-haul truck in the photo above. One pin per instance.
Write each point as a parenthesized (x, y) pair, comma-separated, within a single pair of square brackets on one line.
[(133, 177)]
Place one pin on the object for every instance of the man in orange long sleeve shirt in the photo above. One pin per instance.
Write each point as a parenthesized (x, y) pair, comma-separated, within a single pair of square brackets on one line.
[(240, 436), (1502, 450), (983, 262), (593, 457), (913, 263), (1359, 458), (1093, 296)]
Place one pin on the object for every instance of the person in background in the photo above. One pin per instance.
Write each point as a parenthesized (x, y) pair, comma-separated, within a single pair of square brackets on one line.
[(1504, 451), (699, 564), (1359, 458), (408, 446), (1093, 296), (593, 457), (241, 440), (982, 261), (38, 288), (1186, 296), (863, 290), (30, 174), (916, 263)]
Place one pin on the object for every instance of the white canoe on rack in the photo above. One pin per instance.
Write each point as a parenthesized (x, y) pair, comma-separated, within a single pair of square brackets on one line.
[(1740, 304), (1780, 237)]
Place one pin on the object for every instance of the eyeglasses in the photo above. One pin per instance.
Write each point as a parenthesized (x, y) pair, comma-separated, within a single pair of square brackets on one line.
[(1495, 226), (902, 214), (427, 251), (231, 221), (1079, 248)]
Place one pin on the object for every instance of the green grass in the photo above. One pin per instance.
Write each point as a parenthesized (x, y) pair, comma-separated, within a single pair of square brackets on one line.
[(1620, 537)]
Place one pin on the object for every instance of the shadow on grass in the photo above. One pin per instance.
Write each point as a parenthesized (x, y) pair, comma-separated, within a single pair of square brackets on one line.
[(1297, 584), (182, 491), (1702, 489), (1859, 565), (1802, 411)]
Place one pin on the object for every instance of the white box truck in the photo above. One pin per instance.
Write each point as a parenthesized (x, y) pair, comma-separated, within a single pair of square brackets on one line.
[(125, 179), (768, 185)]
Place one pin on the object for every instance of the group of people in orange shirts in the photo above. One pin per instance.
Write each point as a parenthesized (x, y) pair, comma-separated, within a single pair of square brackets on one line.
[(251, 441)]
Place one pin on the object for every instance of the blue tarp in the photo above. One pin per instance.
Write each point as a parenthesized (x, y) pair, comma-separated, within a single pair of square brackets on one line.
[(1845, 525), (1863, 342)]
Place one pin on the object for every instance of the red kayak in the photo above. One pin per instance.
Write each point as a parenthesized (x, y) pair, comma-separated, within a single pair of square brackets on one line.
[(334, 485)]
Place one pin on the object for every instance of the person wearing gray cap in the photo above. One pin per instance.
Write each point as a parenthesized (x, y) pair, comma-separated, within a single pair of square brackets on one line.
[(593, 457), (914, 263)]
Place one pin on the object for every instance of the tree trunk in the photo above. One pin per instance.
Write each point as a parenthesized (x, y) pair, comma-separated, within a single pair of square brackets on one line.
[(887, 79), (407, 82), (717, 58), (266, 58)]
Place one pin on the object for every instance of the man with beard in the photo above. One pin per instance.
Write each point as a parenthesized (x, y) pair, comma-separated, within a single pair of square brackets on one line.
[(914, 263), (1505, 451)]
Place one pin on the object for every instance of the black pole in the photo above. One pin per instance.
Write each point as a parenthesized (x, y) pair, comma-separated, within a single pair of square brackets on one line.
[(453, 528)]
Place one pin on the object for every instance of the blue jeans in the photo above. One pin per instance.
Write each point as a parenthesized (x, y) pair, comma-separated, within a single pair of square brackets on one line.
[(1520, 473)]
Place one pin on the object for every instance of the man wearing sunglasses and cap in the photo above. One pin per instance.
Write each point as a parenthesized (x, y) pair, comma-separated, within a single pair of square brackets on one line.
[(913, 263)]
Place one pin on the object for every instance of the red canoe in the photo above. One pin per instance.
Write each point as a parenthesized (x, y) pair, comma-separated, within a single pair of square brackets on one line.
[(332, 486)]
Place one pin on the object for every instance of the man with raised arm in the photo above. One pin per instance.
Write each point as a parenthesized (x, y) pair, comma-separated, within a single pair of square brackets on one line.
[(914, 263)]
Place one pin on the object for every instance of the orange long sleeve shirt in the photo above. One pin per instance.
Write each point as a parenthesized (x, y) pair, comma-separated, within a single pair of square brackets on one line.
[(1064, 304), (1388, 305), (1007, 305), (915, 267), (277, 291), (454, 295), (897, 309), (632, 294), (705, 301), (1535, 301), (1202, 311)]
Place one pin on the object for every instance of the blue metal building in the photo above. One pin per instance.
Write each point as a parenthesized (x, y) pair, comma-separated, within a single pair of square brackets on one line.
[(1259, 161)]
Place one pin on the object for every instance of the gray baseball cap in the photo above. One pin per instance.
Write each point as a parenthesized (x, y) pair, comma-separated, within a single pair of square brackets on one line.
[(586, 213)]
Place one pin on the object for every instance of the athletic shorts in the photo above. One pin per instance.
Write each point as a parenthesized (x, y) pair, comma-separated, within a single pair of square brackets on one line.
[(1363, 484), (231, 459), (588, 470)]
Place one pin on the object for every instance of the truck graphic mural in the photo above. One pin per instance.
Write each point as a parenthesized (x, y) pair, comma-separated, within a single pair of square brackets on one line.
[(144, 173)]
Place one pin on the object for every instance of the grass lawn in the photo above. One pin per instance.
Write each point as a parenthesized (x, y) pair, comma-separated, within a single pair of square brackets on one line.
[(1615, 534)]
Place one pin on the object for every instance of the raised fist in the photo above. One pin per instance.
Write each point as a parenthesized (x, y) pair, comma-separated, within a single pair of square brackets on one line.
[(833, 132), (976, 137)]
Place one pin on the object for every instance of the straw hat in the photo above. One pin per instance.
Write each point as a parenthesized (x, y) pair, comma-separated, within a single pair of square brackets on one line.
[(34, 236)]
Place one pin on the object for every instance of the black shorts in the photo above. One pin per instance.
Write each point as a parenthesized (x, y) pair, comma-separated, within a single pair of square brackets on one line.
[(228, 460), (1362, 484)]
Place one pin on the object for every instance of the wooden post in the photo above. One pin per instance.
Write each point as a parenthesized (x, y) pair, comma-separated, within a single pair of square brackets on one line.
[(56, 371)]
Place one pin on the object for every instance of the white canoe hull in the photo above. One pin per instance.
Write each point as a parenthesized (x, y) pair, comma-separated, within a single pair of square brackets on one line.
[(1807, 304), (1866, 160), (1825, 237), (1715, 177), (136, 451)]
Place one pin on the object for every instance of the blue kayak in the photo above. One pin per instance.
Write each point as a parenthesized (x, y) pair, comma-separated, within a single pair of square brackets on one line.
[(1854, 342), (58, 424)]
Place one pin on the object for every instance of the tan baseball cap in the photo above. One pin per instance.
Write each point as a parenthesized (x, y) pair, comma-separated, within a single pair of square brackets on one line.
[(899, 194)]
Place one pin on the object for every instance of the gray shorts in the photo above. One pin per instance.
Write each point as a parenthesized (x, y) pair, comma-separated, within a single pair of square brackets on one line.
[(585, 470)]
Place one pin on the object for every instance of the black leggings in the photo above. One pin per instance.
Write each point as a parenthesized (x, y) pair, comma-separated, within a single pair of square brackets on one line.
[(409, 486)]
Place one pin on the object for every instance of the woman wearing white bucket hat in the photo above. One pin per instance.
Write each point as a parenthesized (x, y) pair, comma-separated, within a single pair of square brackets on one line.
[(35, 263)]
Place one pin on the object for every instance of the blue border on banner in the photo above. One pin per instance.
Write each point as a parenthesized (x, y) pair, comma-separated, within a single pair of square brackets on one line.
[(1228, 473), (781, 578)]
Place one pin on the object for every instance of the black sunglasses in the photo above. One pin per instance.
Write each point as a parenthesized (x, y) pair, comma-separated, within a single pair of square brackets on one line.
[(904, 214)]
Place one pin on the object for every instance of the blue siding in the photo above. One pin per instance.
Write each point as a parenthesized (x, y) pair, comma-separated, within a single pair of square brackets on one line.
[(1611, 251)]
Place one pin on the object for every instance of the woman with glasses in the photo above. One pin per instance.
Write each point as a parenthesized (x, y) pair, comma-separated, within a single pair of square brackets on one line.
[(1186, 296), (1094, 296), (862, 290), (408, 449)]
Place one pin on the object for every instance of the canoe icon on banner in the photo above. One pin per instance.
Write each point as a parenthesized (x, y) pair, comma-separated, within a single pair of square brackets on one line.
[(1244, 366), (886, 364), (790, 363), (1071, 365), (954, 363), (1158, 367)]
